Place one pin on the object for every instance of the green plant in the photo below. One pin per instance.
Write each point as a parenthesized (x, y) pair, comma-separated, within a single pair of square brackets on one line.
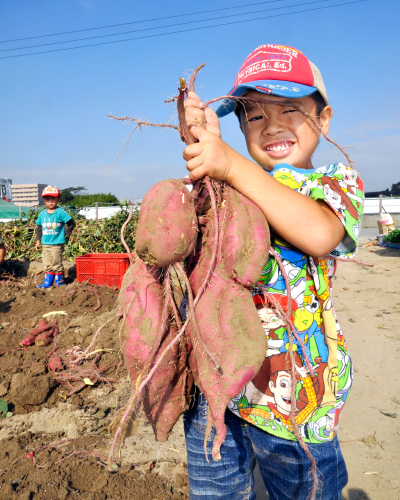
[(392, 237), (89, 236), (4, 413)]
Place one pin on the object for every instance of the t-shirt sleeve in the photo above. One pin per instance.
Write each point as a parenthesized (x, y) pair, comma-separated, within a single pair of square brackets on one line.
[(342, 189), (65, 217), (39, 219)]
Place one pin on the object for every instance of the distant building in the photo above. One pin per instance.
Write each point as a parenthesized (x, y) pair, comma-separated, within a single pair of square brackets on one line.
[(27, 195)]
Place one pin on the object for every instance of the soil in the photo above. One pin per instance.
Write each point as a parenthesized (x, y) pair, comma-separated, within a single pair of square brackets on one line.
[(56, 442)]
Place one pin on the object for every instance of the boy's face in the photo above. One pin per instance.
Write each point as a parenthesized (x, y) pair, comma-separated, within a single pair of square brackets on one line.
[(51, 202), (277, 133)]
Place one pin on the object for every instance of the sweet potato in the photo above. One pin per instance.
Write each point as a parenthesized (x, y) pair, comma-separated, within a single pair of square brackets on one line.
[(45, 338), (42, 326), (231, 329), (245, 238), (166, 397), (55, 364), (28, 341), (167, 227), (227, 349), (142, 300), (244, 241)]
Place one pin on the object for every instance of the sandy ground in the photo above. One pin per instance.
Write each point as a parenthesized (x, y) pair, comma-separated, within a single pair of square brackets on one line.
[(368, 305), (367, 302)]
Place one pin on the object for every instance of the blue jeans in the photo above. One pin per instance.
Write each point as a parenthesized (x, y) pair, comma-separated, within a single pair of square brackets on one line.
[(283, 464)]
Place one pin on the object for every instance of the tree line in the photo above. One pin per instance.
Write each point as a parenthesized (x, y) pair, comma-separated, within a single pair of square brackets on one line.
[(77, 198), (393, 191)]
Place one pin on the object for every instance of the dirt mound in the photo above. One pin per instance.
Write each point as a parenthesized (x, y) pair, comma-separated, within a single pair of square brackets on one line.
[(56, 443)]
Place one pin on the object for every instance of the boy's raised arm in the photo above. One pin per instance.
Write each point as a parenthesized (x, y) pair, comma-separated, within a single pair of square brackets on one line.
[(307, 224)]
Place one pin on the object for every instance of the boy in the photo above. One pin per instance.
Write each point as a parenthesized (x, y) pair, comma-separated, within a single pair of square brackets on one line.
[(53, 224), (312, 214)]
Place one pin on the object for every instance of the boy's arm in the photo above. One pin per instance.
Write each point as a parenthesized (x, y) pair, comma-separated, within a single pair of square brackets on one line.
[(69, 227), (310, 225), (2, 250), (38, 236)]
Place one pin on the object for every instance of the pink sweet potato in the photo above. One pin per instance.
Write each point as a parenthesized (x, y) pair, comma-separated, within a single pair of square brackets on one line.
[(228, 348), (232, 331), (167, 227), (141, 300), (243, 246), (166, 397), (42, 326), (55, 364), (227, 320), (28, 341), (245, 239), (45, 338)]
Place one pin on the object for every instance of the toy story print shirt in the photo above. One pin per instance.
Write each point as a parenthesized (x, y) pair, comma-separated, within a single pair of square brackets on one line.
[(53, 226), (266, 401)]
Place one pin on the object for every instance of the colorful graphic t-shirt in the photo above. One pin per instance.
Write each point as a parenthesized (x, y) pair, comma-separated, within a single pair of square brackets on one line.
[(266, 401), (53, 231)]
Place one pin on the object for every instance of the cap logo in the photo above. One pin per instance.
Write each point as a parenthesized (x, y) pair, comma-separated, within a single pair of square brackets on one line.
[(265, 61)]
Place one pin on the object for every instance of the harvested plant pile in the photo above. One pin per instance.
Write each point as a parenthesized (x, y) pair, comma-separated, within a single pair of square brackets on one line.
[(89, 236)]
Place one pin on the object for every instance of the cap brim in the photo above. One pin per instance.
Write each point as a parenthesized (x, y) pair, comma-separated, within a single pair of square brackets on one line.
[(268, 87)]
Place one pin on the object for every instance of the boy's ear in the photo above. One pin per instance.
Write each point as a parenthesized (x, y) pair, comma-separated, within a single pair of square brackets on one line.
[(325, 118)]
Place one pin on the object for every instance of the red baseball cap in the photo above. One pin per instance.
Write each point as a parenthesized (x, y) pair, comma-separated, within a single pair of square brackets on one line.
[(277, 70), (51, 191)]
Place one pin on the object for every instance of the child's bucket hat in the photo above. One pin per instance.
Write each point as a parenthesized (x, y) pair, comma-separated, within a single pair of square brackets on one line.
[(276, 70)]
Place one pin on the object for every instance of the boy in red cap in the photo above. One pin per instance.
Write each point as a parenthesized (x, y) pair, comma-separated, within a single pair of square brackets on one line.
[(314, 214), (53, 224)]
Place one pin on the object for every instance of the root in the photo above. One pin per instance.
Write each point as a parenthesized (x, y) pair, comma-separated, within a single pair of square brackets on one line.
[(194, 322), (128, 251)]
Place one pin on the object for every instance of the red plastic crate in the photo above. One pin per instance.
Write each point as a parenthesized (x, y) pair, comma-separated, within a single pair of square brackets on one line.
[(102, 268)]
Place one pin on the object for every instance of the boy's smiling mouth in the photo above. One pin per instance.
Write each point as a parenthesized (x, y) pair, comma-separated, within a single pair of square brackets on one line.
[(279, 148)]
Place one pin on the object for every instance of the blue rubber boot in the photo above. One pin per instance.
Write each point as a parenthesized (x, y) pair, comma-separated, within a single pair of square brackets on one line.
[(59, 279), (48, 281)]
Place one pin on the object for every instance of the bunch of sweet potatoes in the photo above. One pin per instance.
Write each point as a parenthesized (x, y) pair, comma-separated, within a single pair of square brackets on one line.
[(222, 240), (42, 334)]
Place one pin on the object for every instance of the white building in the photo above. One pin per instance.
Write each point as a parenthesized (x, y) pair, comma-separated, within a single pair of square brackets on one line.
[(27, 195)]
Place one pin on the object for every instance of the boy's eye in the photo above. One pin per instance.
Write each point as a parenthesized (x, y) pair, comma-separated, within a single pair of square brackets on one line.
[(290, 110), (254, 118)]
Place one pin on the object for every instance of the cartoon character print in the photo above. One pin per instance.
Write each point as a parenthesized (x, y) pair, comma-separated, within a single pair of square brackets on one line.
[(270, 402), (266, 402), (289, 177), (323, 425), (336, 198), (51, 227), (272, 321), (350, 183), (293, 261)]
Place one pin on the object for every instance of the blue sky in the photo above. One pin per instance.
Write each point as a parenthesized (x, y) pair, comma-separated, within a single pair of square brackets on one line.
[(54, 105)]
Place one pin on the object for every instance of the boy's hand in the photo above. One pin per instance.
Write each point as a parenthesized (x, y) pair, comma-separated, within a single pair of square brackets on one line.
[(196, 115), (210, 156), (37, 245)]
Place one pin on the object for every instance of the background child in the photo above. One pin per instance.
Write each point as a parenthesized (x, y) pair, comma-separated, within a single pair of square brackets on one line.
[(53, 224), (313, 215)]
